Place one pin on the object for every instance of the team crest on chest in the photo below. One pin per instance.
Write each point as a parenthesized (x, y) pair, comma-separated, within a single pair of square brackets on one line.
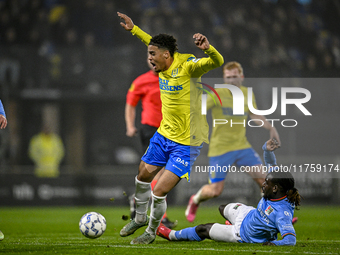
[(174, 72)]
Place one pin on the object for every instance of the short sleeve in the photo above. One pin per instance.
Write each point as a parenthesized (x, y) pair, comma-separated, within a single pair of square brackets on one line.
[(134, 94)]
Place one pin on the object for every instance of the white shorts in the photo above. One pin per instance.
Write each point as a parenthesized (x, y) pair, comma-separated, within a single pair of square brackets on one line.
[(235, 213)]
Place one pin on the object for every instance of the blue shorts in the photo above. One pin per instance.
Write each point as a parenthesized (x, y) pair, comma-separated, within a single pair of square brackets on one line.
[(245, 157), (176, 157)]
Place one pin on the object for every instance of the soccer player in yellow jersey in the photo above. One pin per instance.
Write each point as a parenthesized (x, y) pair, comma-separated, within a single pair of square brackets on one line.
[(228, 143), (177, 142)]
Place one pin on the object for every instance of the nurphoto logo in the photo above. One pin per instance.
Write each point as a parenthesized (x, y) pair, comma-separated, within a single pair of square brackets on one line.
[(238, 104)]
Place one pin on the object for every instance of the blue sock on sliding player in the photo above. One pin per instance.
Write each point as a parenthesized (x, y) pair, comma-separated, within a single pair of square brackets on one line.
[(187, 234)]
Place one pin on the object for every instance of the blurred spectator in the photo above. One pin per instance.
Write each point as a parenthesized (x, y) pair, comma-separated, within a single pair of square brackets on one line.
[(71, 37), (89, 40), (46, 150), (242, 28), (336, 51), (10, 37)]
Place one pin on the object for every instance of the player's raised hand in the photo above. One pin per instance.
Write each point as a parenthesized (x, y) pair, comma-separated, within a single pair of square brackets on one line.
[(128, 25), (3, 122), (274, 134), (201, 41), (272, 144)]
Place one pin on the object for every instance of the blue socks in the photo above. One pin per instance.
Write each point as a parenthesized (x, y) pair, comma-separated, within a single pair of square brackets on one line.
[(187, 234)]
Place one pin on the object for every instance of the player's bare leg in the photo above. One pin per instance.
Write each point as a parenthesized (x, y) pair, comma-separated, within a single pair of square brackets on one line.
[(166, 182), (207, 192)]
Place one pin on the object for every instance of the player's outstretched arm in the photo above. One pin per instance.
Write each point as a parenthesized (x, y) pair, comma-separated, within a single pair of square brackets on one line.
[(201, 41), (128, 25), (268, 152), (200, 66), (286, 240), (135, 30)]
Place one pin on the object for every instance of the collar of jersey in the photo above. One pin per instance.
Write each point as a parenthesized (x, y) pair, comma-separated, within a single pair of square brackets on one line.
[(169, 70), (278, 199)]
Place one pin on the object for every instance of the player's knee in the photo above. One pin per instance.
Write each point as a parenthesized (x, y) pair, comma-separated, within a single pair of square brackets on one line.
[(143, 174), (159, 191)]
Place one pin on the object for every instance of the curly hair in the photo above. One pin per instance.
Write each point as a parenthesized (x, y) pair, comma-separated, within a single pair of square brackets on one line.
[(165, 41), (285, 181)]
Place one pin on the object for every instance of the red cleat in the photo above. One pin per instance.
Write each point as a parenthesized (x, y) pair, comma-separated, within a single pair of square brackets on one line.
[(163, 231), (294, 220), (190, 212), (227, 222)]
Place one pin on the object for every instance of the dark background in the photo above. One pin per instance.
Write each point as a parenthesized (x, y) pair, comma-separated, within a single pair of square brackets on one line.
[(70, 63)]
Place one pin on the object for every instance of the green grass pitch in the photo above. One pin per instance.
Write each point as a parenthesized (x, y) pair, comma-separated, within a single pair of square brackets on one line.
[(53, 230)]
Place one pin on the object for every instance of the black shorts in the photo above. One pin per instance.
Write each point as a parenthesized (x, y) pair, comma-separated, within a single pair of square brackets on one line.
[(146, 133)]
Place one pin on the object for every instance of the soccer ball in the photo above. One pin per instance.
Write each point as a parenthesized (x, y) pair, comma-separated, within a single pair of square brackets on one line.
[(92, 225)]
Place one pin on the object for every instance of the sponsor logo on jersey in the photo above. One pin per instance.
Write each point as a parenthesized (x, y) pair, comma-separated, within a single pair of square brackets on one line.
[(269, 210), (287, 213), (195, 60), (163, 85), (182, 161), (170, 88), (191, 58)]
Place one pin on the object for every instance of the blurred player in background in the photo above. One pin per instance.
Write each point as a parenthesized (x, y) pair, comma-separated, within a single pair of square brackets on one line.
[(46, 150), (3, 124), (246, 224), (228, 143), (179, 139), (145, 88)]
